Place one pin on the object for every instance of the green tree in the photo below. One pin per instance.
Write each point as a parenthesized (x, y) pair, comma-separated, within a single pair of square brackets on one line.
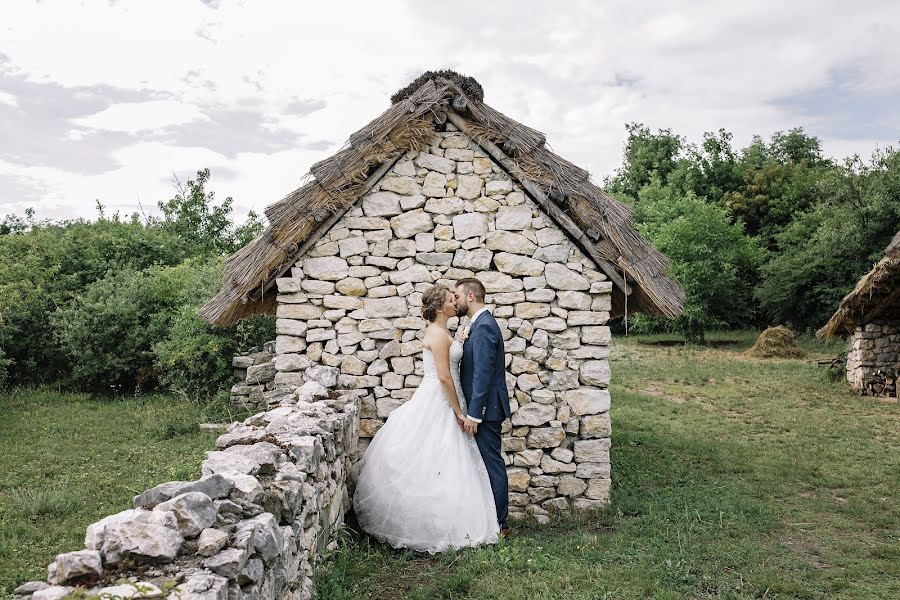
[(825, 250), (193, 218), (711, 257), (647, 155)]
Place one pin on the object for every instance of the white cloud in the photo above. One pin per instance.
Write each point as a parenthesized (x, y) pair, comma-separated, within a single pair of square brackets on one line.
[(137, 117), (577, 71), (8, 99)]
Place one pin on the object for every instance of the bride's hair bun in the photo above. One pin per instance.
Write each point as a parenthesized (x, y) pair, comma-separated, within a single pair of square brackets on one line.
[(432, 300)]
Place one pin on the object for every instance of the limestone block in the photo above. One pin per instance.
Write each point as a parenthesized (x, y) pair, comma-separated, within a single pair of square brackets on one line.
[(595, 372), (518, 479), (528, 458), (351, 286), (80, 563), (550, 237), (495, 282), (500, 186), (532, 310), (548, 254), (435, 259), (469, 225), (383, 308), (469, 187), (592, 450), (595, 426), (355, 246), (409, 224), (299, 312), (573, 300), (560, 277), (324, 375), (514, 218), (545, 437), (508, 241), (571, 486), (405, 186), (290, 327), (445, 206), (434, 185), (589, 470), (552, 324), (326, 268), (414, 274), (515, 264), (533, 415), (555, 467), (598, 489), (477, 260), (194, 511), (435, 163), (342, 302), (596, 335)]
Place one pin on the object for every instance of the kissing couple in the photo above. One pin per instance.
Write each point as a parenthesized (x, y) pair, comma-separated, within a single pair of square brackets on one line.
[(433, 477)]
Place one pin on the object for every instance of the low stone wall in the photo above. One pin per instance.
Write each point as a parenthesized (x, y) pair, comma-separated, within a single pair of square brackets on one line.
[(251, 527), (255, 372), (872, 348)]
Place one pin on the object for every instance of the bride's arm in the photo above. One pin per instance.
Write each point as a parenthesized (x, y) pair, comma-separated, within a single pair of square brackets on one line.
[(440, 347)]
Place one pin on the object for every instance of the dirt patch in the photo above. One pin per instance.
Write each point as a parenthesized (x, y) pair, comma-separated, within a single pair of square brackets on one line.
[(654, 390), (776, 342)]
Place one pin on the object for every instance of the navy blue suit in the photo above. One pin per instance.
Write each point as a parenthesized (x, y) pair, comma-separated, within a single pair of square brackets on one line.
[(483, 378)]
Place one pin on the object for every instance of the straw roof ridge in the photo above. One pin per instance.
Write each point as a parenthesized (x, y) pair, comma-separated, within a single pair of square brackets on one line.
[(337, 182), (875, 291)]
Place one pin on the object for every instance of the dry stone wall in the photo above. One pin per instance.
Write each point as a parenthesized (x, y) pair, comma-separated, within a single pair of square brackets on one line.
[(873, 354), (349, 314), (255, 372), (250, 528)]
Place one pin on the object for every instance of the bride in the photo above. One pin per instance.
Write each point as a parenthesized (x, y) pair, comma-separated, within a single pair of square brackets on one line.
[(423, 484)]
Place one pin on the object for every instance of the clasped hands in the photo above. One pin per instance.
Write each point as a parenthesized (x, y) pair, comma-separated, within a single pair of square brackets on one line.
[(467, 425)]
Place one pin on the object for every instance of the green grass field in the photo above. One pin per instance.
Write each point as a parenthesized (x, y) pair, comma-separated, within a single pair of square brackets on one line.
[(67, 460), (733, 478)]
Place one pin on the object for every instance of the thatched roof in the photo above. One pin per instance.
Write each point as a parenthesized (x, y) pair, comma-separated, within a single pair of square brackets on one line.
[(599, 225), (876, 294)]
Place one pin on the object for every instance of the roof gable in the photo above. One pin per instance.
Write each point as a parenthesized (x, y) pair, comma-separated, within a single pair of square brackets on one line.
[(599, 225)]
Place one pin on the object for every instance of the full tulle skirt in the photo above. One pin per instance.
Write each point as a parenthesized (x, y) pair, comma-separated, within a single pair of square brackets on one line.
[(423, 484)]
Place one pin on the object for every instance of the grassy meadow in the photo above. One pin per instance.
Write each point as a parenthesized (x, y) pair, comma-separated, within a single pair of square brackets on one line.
[(733, 477), (67, 460)]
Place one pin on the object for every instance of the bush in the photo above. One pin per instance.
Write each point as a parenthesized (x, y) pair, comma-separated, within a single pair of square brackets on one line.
[(711, 258), (195, 357)]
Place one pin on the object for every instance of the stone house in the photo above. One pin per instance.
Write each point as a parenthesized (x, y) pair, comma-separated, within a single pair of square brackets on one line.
[(869, 318), (440, 187)]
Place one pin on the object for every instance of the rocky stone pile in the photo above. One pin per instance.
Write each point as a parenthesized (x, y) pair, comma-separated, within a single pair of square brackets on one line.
[(349, 314), (251, 527)]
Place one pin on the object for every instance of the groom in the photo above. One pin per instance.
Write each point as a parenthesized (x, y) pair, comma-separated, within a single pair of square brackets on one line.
[(483, 378)]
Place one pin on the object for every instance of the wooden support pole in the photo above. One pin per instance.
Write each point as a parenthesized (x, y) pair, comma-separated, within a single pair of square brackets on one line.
[(544, 202)]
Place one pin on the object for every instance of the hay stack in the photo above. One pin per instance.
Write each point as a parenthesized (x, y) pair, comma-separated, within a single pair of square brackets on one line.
[(776, 342)]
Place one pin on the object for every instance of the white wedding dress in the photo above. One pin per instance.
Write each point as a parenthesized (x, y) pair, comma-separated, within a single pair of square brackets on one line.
[(423, 484)]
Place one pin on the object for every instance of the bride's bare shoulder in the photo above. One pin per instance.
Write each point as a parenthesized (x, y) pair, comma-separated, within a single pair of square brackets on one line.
[(435, 337)]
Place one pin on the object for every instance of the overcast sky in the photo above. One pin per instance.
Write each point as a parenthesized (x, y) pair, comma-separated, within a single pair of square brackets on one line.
[(107, 100)]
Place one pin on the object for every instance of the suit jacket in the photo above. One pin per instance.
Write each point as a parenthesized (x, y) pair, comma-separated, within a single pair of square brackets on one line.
[(483, 371)]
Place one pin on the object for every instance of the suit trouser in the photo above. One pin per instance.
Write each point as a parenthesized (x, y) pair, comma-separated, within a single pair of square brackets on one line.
[(488, 440)]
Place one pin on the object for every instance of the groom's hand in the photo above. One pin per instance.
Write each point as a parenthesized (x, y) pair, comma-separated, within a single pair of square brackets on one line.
[(470, 426)]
